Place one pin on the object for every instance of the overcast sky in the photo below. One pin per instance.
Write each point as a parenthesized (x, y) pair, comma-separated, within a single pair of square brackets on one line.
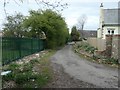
[(75, 9)]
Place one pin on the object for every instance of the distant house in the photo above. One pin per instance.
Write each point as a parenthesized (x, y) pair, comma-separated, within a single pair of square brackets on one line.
[(109, 22), (88, 33)]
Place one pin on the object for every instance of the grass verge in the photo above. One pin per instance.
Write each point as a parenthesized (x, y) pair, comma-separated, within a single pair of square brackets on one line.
[(34, 74), (84, 50)]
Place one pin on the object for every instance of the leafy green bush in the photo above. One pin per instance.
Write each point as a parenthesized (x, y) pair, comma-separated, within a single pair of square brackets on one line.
[(51, 23), (89, 48), (85, 46)]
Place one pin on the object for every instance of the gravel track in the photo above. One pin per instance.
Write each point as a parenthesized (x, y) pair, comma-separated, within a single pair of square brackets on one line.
[(71, 71)]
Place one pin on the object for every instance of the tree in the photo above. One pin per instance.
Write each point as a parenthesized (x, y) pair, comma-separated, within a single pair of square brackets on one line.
[(75, 34), (13, 26), (81, 22), (54, 4), (49, 22)]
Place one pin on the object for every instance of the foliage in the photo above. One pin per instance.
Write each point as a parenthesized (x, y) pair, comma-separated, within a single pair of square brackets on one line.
[(33, 74), (112, 61), (13, 26), (90, 49), (39, 24), (50, 23), (75, 35), (87, 49)]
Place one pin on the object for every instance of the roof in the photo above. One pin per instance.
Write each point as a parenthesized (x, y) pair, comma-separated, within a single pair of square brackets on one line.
[(111, 16), (88, 33)]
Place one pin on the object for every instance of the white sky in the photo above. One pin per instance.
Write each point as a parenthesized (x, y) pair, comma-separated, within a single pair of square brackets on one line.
[(75, 9)]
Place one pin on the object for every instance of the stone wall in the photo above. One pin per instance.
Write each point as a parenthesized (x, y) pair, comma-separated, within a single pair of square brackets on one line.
[(116, 47), (113, 46), (108, 45)]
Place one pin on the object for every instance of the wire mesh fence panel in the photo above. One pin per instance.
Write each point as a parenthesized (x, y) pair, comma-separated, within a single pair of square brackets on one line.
[(16, 48)]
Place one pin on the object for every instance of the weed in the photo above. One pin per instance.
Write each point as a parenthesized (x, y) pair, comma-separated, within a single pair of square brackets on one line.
[(13, 66), (89, 49), (23, 75), (8, 77), (33, 61), (112, 61), (27, 67)]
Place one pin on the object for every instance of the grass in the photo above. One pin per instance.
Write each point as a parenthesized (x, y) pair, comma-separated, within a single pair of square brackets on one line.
[(34, 74)]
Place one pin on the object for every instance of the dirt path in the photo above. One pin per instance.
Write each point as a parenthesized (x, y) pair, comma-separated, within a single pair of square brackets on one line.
[(72, 71)]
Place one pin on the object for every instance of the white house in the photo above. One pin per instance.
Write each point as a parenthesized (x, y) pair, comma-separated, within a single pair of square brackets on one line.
[(109, 22)]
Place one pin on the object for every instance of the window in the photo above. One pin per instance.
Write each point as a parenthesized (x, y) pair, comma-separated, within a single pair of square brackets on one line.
[(112, 31)]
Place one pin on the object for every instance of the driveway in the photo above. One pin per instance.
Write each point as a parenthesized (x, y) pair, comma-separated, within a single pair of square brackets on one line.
[(84, 70)]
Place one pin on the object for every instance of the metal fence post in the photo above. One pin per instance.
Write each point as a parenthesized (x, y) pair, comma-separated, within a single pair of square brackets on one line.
[(31, 46), (19, 47)]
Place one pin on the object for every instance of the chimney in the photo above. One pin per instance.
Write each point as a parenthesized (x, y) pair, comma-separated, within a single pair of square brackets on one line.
[(101, 19), (101, 5)]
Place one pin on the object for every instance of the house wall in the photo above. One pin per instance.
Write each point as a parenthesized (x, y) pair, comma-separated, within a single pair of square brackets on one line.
[(92, 42), (105, 30), (110, 46), (98, 43), (99, 35), (101, 19)]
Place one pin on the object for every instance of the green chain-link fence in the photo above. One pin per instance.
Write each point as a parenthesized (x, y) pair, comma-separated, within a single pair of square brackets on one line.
[(16, 48)]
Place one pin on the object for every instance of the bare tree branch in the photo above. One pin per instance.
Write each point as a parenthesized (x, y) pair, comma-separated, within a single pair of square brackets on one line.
[(5, 8), (16, 2), (57, 5), (81, 22)]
